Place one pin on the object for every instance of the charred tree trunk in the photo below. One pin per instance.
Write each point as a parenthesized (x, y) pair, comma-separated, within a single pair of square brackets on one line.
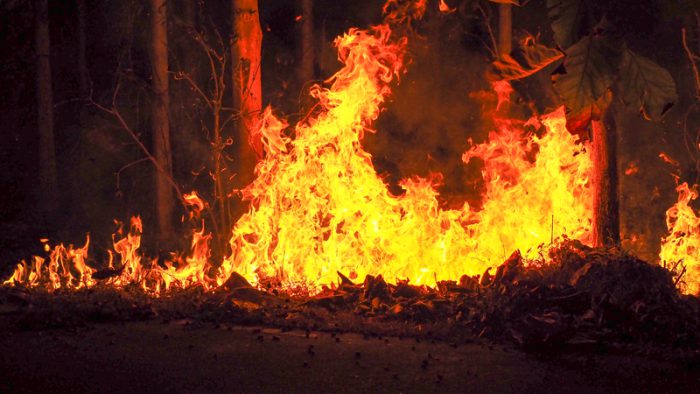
[(48, 184), (247, 89), (160, 126), (606, 215)]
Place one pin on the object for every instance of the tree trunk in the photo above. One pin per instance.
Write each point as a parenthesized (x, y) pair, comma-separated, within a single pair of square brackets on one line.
[(48, 201), (306, 38), (189, 13), (79, 182), (606, 215), (505, 38), (247, 89), (305, 53), (505, 29), (83, 73), (160, 126), (221, 178)]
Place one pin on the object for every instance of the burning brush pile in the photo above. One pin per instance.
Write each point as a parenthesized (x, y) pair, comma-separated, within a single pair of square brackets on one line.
[(319, 212), (579, 298)]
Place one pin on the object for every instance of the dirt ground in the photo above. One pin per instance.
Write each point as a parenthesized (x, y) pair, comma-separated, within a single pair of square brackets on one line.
[(185, 356)]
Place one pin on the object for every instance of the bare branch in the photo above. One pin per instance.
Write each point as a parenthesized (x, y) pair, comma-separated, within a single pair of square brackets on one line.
[(696, 79), (692, 58), (182, 76), (126, 166), (493, 49), (114, 111)]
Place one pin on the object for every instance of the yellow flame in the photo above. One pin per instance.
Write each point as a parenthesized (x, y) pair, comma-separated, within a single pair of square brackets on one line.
[(682, 244), (65, 268), (318, 205)]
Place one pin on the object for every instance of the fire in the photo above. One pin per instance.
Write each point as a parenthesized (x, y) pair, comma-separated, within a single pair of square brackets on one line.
[(66, 266), (444, 8), (318, 207), (679, 249)]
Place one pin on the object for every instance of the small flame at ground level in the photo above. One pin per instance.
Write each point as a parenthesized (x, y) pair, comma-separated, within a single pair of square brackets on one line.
[(318, 206), (680, 249)]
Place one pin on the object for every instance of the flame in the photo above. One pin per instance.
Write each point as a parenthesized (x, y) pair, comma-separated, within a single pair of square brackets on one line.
[(65, 268), (503, 91), (195, 203), (318, 207), (681, 246), (444, 8)]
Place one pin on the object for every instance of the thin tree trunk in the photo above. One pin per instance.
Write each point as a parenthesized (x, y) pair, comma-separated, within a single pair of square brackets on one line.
[(505, 29), (247, 89), (306, 49), (189, 13), (83, 73), (160, 126), (505, 38), (48, 184), (606, 215), (221, 184), (305, 53), (322, 48), (80, 183)]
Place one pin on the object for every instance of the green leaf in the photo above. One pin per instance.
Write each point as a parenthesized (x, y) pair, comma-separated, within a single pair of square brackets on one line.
[(590, 69), (567, 17), (646, 86), (525, 60)]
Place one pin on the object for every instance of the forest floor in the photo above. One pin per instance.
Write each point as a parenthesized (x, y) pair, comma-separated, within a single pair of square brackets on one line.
[(185, 356), (590, 321)]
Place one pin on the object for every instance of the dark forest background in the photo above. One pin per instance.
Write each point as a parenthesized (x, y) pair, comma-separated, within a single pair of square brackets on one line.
[(438, 105)]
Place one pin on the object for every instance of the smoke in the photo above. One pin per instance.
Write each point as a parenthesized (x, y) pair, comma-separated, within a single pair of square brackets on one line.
[(439, 104)]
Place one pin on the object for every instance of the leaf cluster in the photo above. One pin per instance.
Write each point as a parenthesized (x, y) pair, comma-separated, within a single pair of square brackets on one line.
[(599, 64), (595, 63)]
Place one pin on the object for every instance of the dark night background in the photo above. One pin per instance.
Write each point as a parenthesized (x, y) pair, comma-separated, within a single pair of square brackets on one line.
[(437, 106)]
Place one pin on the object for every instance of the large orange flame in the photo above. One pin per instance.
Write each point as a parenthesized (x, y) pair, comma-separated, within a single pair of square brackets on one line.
[(319, 207)]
